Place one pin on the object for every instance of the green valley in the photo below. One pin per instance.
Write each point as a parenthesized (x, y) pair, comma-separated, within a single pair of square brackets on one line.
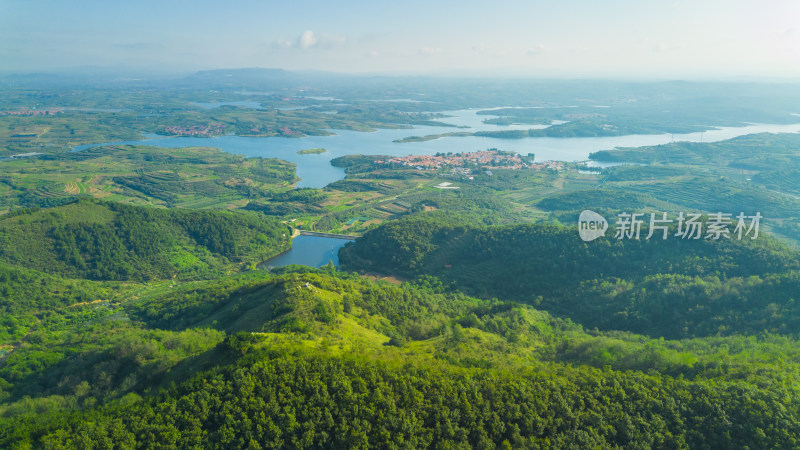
[(375, 261)]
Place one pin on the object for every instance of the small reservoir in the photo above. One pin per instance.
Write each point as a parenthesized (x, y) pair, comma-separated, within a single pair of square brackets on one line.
[(314, 251)]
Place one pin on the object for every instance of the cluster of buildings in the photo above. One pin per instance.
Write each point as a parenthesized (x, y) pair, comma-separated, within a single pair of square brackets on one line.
[(487, 158), (31, 112), (286, 131), (197, 130), (464, 163), (552, 165)]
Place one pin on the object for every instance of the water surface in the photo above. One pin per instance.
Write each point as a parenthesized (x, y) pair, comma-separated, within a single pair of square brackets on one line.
[(316, 171), (314, 251)]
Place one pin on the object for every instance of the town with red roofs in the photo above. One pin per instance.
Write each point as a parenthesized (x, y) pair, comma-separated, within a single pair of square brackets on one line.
[(465, 162)]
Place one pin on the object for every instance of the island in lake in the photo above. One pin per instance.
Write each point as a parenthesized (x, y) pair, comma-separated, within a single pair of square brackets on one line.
[(312, 151)]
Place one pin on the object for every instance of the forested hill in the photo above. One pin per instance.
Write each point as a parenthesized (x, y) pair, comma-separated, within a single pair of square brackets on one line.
[(324, 359), (764, 151), (671, 288), (112, 241)]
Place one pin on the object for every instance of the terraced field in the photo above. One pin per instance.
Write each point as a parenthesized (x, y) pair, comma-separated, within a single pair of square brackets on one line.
[(713, 196), (785, 180), (193, 178)]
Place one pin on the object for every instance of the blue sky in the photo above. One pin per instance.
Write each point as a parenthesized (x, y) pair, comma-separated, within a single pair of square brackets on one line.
[(663, 39)]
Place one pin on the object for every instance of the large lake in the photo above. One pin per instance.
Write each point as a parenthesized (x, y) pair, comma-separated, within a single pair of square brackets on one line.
[(316, 171), (314, 251)]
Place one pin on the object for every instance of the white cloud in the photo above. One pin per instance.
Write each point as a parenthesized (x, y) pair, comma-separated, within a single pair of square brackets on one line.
[(307, 40), (310, 40)]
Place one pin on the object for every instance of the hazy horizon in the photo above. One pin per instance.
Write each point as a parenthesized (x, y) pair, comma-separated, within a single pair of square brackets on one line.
[(149, 73), (579, 39)]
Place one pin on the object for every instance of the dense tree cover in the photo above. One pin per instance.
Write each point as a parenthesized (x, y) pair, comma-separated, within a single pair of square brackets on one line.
[(672, 287), (302, 195), (680, 306), (313, 401), (355, 163), (84, 355), (90, 368), (25, 290), (207, 303), (112, 241), (452, 371)]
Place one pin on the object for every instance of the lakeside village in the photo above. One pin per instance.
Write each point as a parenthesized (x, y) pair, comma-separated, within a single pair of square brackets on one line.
[(467, 163), (32, 112), (196, 130)]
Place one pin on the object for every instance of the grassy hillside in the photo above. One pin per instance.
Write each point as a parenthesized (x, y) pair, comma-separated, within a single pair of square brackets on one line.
[(112, 241)]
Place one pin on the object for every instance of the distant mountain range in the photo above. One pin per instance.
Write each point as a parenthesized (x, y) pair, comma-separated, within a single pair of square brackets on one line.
[(219, 78)]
